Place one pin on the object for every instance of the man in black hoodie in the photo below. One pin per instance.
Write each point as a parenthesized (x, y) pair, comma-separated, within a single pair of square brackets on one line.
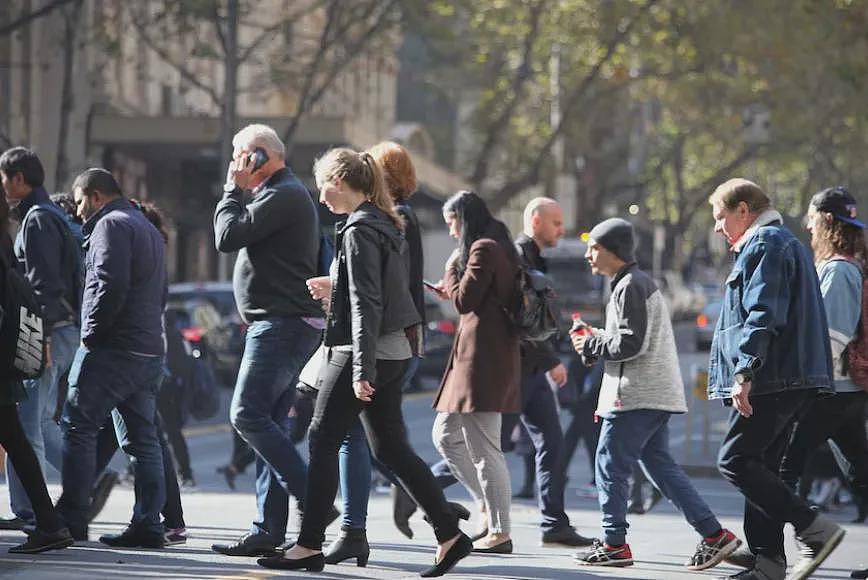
[(269, 218)]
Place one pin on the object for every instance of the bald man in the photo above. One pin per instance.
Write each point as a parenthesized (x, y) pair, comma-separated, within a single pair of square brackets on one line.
[(543, 227)]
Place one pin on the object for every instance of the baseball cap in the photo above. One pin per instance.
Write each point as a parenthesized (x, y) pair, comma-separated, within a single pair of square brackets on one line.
[(838, 202)]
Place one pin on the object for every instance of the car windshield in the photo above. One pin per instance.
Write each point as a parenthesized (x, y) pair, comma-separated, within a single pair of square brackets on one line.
[(572, 277)]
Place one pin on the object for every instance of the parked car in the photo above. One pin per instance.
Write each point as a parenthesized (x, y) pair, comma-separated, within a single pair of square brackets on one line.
[(208, 316), (577, 288), (706, 321)]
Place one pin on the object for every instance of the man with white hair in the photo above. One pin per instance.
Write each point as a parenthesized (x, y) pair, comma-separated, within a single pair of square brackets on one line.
[(269, 218)]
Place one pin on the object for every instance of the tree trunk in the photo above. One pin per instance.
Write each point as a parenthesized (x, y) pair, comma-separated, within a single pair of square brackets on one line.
[(71, 20)]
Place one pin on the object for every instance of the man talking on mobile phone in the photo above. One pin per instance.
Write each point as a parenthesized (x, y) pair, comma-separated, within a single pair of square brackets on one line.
[(269, 217)]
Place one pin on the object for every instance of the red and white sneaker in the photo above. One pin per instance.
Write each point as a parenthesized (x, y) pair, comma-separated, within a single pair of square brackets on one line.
[(602, 554), (712, 551)]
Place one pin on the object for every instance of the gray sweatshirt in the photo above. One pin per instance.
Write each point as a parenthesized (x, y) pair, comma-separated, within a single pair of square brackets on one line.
[(638, 347)]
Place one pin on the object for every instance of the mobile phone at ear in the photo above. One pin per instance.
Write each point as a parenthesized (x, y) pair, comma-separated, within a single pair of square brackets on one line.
[(431, 285), (259, 158)]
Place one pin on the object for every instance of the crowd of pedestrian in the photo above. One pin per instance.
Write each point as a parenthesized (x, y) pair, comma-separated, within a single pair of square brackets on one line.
[(335, 332)]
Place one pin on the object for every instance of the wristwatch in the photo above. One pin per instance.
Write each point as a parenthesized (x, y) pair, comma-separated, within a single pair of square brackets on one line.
[(742, 377)]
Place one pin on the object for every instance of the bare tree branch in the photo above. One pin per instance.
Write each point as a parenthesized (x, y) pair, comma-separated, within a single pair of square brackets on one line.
[(268, 31), (218, 28), (310, 93), (27, 18), (574, 98), (523, 75), (167, 58)]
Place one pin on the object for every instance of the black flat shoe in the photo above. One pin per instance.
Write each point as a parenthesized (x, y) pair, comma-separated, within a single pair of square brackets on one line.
[(249, 545), (313, 563), (40, 541), (351, 544), (134, 538), (460, 549), (501, 548)]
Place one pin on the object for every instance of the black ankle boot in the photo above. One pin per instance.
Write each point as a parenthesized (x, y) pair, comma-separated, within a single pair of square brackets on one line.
[(352, 543)]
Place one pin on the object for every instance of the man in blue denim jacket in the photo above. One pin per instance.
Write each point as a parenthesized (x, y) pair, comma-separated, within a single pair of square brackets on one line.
[(769, 358)]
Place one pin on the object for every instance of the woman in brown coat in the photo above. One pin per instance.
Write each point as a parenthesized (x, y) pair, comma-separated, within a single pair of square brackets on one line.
[(482, 375)]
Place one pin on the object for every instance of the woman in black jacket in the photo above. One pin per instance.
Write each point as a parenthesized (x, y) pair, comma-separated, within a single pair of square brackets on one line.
[(50, 533), (369, 309)]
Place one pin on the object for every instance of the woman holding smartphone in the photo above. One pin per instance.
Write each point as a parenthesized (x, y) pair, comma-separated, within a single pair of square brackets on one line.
[(480, 279), (367, 353)]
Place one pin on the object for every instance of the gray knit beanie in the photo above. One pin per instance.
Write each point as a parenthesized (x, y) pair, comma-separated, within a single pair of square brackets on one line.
[(616, 235)]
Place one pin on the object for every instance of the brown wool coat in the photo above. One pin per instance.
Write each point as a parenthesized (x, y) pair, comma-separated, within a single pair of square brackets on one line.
[(482, 374)]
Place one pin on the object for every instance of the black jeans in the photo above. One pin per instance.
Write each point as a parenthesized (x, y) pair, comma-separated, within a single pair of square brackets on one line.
[(750, 458), (840, 418), (171, 408), (336, 409), (23, 459), (107, 446), (539, 414)]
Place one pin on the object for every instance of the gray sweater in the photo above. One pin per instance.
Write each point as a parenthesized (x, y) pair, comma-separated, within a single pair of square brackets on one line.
[(638, 347)]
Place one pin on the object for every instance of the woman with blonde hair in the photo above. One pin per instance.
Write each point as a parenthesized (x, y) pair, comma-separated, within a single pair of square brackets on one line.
[(355, 456), (369, 310)]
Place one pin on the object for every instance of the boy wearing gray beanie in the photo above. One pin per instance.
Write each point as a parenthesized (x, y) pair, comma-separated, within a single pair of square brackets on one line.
[(641, 389)]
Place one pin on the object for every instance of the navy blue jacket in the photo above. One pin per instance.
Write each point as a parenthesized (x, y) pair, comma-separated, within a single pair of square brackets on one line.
[(125, 281), (47, 256), (772, 324)]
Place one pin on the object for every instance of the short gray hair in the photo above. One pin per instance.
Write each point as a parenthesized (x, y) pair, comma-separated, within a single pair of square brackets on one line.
[(259, 136)]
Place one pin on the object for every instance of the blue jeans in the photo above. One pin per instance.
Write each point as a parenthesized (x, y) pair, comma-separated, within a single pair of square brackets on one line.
[(643, 435), (275, 351), (101, 380), (356, 466), (355, 477), (37, 417)]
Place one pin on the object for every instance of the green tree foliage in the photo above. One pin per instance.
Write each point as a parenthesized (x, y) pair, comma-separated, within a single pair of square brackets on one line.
[(654, 98)]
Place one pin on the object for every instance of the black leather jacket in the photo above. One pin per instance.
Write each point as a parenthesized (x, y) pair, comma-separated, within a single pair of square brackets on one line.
[(370, 292)]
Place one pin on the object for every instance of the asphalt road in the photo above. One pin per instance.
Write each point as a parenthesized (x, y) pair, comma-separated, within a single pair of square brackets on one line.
[(661, 540)]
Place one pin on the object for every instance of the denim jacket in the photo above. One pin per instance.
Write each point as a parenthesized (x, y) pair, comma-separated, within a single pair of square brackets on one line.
[(772, 324)]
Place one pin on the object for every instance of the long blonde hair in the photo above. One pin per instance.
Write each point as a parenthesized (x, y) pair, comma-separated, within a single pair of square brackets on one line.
[(360, 171)]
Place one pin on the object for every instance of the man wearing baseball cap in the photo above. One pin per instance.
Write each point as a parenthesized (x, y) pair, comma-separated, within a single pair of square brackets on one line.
[(838, 241), (641, 390)]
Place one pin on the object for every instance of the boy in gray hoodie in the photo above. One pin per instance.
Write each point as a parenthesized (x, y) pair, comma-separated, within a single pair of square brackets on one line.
[(641, 389)]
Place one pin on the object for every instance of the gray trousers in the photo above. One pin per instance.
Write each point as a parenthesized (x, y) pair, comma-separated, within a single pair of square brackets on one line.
[(470, 444)]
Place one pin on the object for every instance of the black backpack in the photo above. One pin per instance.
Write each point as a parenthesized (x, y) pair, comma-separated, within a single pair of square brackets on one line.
[(23, 340), (532, 313)]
